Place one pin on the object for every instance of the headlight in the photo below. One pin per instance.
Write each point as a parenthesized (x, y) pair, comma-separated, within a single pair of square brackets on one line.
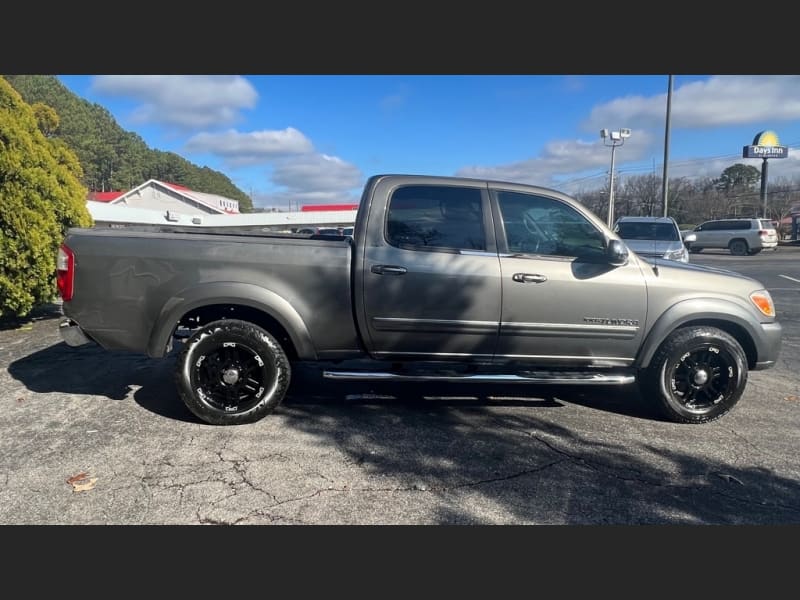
[(763, 302), (681, 255)]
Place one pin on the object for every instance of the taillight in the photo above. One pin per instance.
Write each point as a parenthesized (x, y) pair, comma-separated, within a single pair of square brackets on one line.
[(65, 272), (763, 232)]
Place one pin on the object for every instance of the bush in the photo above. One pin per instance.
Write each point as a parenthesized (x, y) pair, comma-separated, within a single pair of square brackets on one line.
[(40, 198)]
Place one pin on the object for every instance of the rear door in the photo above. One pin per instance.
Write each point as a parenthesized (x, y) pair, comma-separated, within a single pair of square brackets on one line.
[(430, 274)]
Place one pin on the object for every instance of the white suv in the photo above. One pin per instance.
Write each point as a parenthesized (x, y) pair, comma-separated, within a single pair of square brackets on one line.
[(740, 236)]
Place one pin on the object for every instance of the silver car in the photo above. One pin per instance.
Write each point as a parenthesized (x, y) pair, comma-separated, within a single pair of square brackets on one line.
[(652, 237)]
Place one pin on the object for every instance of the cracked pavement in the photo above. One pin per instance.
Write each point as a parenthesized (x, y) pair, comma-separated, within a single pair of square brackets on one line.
[(366, 453)]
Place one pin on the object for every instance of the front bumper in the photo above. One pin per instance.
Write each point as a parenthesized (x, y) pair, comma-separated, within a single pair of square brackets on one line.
[(72, 333), (768, 346)]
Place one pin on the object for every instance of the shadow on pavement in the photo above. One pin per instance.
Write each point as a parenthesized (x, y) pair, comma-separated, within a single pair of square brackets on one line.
[(90, 370), (43, 312)]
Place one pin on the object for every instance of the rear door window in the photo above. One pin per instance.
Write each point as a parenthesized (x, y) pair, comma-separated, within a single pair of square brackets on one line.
[(435, 217)]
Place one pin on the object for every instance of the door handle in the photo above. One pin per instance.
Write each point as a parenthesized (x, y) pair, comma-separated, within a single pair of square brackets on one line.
[(388, 270), (528, 278)]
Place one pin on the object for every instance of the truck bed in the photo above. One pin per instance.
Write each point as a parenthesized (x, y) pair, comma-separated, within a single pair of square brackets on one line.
[(149, 271)]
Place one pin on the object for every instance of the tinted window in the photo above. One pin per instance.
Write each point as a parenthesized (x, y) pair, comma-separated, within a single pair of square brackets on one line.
[(541, 225), (739, 225), (767, 224), (422, 216), (632, 230)]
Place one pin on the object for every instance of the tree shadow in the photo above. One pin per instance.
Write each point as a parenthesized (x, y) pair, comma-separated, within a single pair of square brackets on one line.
[(481, 464), (40, 313)]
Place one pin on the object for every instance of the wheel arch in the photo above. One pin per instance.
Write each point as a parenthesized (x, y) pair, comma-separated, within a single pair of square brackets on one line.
[(724, 315), (243, 301)]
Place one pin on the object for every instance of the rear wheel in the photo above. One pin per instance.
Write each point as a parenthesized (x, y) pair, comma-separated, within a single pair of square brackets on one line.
[(697, 375), (738, 247), (232, 372)]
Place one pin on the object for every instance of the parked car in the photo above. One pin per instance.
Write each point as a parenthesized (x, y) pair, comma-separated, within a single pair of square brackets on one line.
[(652, 237), (320, 230), (740, 236)]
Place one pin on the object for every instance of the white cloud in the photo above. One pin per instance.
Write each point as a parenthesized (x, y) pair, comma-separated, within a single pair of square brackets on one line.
[(317, 172), (312, 179), (189, 101), (238, 148), (559, 159), (715, 102)]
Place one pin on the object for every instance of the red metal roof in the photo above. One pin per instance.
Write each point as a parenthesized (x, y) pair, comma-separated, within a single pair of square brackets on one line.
[(176, 186), (104, 196), (319, 207)]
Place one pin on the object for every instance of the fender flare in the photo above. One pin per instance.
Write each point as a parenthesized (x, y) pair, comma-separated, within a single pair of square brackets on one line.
[(696, 309), (230, 292)]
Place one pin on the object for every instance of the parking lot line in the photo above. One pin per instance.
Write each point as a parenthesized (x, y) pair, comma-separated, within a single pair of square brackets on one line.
[(789, 278)]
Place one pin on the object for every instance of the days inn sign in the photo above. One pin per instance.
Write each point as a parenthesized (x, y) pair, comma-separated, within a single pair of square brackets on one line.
[(765, 145)]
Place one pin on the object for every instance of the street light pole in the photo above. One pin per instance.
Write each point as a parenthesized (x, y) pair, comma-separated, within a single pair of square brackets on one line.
[(611, 189), (617, 138)]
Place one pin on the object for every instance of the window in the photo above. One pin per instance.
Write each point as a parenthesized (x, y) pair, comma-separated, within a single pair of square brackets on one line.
[(546, 226), (641, 230), (436, 217)]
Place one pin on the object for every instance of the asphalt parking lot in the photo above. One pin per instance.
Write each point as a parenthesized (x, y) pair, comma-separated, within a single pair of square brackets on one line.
[(96, 437)]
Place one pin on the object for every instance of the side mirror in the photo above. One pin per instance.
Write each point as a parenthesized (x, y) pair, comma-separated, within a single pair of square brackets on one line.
[(689, 237), (617, 253)]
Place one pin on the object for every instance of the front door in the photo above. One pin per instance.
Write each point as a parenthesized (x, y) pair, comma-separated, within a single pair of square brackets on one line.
[(563, 303)]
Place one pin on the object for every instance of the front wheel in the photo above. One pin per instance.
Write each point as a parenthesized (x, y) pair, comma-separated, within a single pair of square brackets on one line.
[(231, 372), (697, 375)]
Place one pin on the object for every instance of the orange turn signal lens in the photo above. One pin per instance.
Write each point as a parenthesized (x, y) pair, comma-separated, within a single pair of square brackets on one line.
[(763, 302)]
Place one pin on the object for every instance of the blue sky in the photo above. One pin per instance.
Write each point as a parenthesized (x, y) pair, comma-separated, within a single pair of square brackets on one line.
[(304, 139)]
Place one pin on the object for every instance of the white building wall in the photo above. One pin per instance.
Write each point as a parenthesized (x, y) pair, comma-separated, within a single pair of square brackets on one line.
[(154, 197), (110, 215)]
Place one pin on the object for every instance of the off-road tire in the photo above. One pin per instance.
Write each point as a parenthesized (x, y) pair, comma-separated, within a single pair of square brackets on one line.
[(232, 372), (697, 375)]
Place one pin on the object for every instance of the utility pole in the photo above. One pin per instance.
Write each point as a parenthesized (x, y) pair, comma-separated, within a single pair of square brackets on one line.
[(665, 182), (764, 186)]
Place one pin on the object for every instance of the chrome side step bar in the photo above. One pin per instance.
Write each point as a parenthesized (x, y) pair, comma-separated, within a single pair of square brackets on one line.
[(553, 377)]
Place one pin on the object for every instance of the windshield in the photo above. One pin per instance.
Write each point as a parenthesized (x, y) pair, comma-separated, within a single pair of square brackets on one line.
[(767, 224), (631, 230)]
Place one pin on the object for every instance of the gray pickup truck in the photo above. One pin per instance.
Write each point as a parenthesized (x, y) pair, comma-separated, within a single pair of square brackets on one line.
[(443, 279)]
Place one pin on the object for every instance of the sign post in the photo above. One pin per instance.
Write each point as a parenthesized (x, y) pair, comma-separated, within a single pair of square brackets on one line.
[(765, 145)]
